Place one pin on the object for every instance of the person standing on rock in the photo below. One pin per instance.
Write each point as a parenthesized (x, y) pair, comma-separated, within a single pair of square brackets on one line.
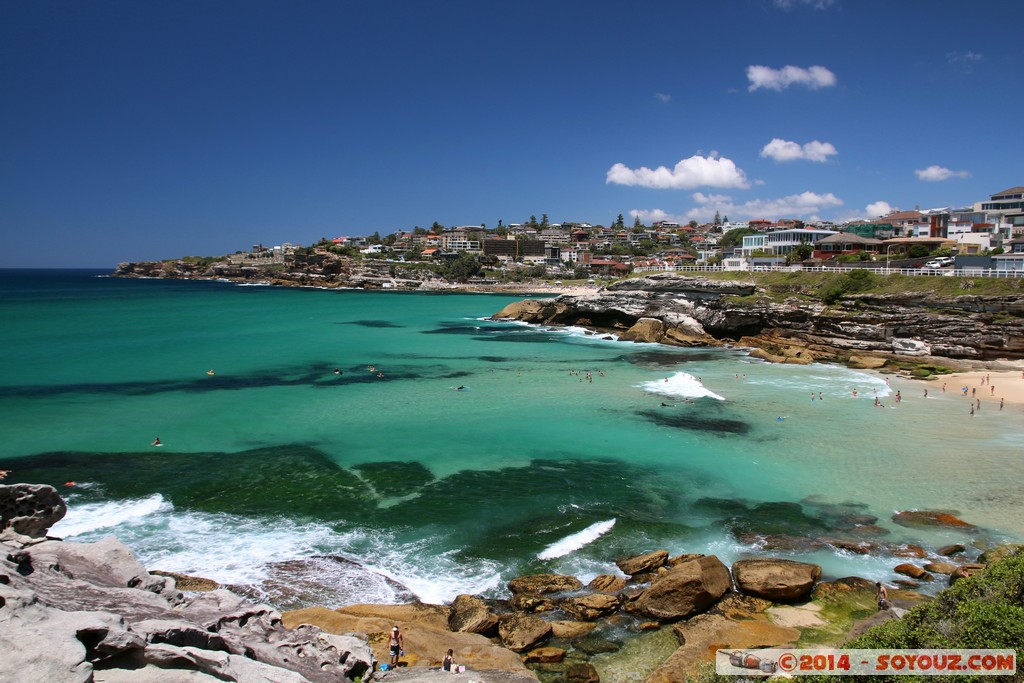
[(883, 596), (396, 646)]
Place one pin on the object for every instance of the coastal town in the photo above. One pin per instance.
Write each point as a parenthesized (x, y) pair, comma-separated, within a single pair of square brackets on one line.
[(986, 238)]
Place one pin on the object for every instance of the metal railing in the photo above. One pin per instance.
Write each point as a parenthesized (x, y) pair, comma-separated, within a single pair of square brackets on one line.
[(879, 270)]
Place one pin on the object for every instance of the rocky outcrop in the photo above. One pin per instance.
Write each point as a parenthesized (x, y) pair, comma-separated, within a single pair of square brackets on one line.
[(642, 564), (304, 268), (775, 579), (931, 518), (68, 609), (687, 589), (538, 584), (864, 330), (470, 614), (29, 509)]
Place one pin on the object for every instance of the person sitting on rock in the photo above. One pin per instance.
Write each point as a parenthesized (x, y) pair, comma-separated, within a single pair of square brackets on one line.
[(448, 663)]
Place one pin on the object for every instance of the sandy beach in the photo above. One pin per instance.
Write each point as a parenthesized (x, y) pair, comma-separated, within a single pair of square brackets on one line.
[(987, 386)]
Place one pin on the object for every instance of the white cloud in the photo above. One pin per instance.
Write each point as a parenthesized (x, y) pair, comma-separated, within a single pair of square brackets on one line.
[(934, 174), (877, 209), (662, 97), (805, 204), (787, 5), (785, 150), (649, 216), (959, 58), (697, 171), (814, 77)]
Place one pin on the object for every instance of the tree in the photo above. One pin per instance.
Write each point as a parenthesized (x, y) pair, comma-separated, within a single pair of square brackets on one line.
[(803, 251), (637, 225), (620, 222), (436, 228), (419, 231), (461, 268), (718, 218), (374, 238), (693, 224), (734, 237), (532, 222), (725, 220), (500, 223), (544, 221)]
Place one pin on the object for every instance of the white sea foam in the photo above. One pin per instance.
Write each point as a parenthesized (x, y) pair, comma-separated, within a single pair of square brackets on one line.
[(577, 540), (234, 549), (680, 385), (92, 517)]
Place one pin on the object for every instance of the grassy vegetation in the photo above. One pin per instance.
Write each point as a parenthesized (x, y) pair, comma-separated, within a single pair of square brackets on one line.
[(808, 283)]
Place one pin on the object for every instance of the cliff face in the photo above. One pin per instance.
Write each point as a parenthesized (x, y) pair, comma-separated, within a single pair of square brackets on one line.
[(862, 330), (314, 269)]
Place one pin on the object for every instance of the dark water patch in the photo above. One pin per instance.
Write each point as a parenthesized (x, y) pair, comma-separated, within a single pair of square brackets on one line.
[(779, 518), (494, 359), (317, 376), (395, 478), (467, 328), (719, 507), (290, 481), (371, 323), (660, 359), (718, 426), (523, 337), (516, 512)]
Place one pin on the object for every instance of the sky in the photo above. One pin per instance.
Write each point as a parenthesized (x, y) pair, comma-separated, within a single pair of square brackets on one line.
[(158, 129)]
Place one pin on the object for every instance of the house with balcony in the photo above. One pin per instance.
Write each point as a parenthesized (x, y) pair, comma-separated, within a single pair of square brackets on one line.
[(1001, 206), (782, 242), (845, 243)]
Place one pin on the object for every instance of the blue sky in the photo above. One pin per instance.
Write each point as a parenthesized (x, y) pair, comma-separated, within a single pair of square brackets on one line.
[(146, 130)]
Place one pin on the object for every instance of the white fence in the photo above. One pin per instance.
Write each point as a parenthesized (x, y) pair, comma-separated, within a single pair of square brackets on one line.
[(879, 270)]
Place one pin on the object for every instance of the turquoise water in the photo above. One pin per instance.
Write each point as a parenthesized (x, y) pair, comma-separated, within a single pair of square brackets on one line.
[(274, 466)]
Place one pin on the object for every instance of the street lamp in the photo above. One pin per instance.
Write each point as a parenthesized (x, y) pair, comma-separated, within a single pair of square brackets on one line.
[(887, 249)]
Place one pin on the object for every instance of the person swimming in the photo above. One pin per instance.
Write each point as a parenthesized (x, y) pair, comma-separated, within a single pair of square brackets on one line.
[(460, 388), (337, 371)]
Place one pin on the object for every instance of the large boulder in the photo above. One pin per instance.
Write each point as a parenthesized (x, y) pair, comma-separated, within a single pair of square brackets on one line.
[(913, 571), (641, 564), (538, 584), (470, 614), (775, 579), (521, 632), (590, 607), (685, 590), (607, 583), (29, 509), (930, 519)]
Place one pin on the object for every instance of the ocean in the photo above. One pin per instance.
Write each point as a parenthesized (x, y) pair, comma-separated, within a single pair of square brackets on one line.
[(317, 448)]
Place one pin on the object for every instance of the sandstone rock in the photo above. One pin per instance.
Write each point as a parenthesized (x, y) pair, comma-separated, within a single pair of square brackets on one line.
[(538, 584), (930, 518), (865, 362), (526, 602), (1000, 552), (570, 630), (582, 672), (775, 579), (910, 550), (950, 550), (470, 614), (545, 655), (607, 583), (964, 571), (646, 330), (184, 582), (520, 632), (940, 567), (592, 645), (590, 607), (640, 564), (913, 572), (29, 509), (685, 557), (687, 589), (702, 635)]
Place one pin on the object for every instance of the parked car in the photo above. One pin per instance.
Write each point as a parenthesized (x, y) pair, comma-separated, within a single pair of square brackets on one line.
[(940, 262)]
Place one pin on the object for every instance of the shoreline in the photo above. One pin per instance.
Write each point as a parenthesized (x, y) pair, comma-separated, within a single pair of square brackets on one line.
[(984, 385)]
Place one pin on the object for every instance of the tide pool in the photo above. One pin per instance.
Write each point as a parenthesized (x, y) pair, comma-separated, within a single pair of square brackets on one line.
[(377, 485)]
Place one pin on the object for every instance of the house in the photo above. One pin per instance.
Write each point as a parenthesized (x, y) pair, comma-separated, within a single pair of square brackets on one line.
[(845, 243), (608, 267), (1012, 260), (1001, 206), (782, 242)]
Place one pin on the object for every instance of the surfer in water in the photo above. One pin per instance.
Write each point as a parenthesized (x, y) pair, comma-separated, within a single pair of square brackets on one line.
[(460, 388), (156, 442)]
